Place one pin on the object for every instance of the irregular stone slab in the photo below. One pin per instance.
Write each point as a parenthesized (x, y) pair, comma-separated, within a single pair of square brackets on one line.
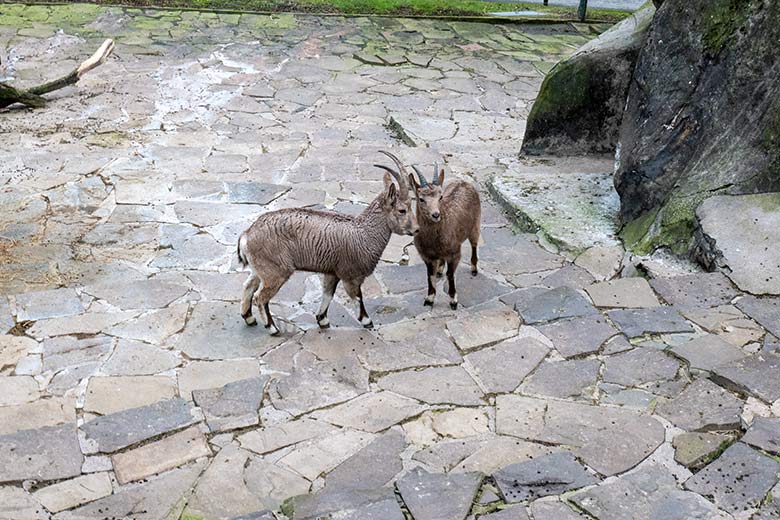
[(436, 350), (645, 494), (421, 129), (48, 453), (609, 440), (150, 500), (494, 452), (253, 192), (695, 450), (216, 331), (563, 379), (548, 510), (551, 474), (503, 367), (15, 390), (259, 515), (372, 412), (460, 423), (14, 348), (138, 294), (696, 290), (655, 320), (483, 328), (764, 434), (739, 478), (578, 336), (765, 311), (122, 429), (133, 358), (69, 351), (570, 275), (755, 375), (372, 467), (563, 302), (771, 507), (232, 406), (743, 229), (728, 322), (708, 352), (202, 375), (639, 366), (47, 304), (516, 512), (430, 496), (703, 406), (17, 504), (155, 326), (75, 492), (106, 395), (81, 324), (274, 437), (37, 414), (623, 293), (603, 262), (165, 454), (318, 456), (437, 385), (350, 505)]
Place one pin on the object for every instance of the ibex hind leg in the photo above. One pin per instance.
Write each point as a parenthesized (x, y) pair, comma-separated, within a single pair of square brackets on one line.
[(271, 286), (329, 283), (474, 240), (355, 291), (250, 288)]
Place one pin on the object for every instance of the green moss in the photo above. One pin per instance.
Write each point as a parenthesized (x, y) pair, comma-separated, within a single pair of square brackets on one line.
[(635, 231), (190, 516), (721, 20), (564, 90)]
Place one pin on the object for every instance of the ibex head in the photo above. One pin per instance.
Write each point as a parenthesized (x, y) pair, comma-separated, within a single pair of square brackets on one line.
[(397, 204), (429, 195)]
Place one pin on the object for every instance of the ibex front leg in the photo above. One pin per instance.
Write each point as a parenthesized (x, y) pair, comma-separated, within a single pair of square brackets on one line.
[(431, 267), (329, 284), (250, 287), (364, 318), (452, 265)]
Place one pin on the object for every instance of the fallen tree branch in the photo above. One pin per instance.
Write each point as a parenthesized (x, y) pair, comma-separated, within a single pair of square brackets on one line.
[(32, 97)]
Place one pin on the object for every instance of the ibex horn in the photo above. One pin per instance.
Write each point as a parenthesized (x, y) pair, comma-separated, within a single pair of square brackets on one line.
[(420, 176), (436, 174), (400, 175)]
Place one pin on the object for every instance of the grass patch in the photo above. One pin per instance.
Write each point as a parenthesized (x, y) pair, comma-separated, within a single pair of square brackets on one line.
[(426, 8)]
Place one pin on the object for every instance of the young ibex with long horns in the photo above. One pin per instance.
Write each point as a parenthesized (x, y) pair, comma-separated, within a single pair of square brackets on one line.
[(342, 247), (446, 220)]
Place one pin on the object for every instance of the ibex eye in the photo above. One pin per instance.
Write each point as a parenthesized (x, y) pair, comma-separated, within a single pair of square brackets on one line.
[(402, 211), (422, 201)]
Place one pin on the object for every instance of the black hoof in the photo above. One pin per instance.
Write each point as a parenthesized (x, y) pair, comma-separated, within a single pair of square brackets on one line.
[(474, 272), (323, 325), (454, 306), (369, 325), (250, 320), (428, 303)]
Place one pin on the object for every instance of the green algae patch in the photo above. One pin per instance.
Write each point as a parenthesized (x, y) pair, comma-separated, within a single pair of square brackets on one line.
[(722, 20)]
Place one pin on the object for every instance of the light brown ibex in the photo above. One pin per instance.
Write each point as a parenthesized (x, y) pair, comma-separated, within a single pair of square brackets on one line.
[(342, 247), (446, 218)]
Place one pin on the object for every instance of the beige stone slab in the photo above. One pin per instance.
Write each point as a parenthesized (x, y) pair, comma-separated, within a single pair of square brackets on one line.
[(202, 375), (88, 323), (116, 393), (165, 454), (314, 458), (484, 328), (13, 348), (17, 390), (277, 436), (461, 422), (37, 414), (74, 492), (624, 293)]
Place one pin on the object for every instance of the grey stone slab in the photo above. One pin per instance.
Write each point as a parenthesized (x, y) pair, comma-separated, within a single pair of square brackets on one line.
[(563, 302), (353, 504), (119, 430), (48, 453), (215, 330), (232, 406), (728, 322), (432, 496), (569, 275), (6, 318), (428, 347), (755, 375), (764, 434), (371, 412), (551, 474), (651, 493), (484, 328), (520, 297), (253, 192), (372, 467), (549, 510), (695, 450), (66, 351), (765, 311), (436, 385), (771, 344), (623, 293), (771, 507), (740, 478), (655, 320), (578, 336), (574, 378), (516, 512), (696, 290), (708, 352), (139, 294), (259, 515), (703, 406), (134, 358), (47, 304), (639, 366), (17, 504), (502, 367)]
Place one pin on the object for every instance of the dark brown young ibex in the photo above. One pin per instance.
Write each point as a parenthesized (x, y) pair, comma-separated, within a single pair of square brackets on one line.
[(446, 220), (342, 247)]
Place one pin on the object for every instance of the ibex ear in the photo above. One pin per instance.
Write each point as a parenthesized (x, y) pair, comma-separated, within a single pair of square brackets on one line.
[(440, 180), (388, 180), (392, 193), (413, 182)]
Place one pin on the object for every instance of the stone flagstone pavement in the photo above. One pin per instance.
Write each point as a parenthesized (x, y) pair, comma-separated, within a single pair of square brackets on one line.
[(130, 388)]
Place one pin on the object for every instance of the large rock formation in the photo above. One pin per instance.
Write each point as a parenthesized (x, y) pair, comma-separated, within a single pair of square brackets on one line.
[(580, 104), (703, 116)]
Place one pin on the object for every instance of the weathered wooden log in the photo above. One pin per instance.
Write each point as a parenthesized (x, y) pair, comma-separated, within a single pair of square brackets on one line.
[(32, 96)]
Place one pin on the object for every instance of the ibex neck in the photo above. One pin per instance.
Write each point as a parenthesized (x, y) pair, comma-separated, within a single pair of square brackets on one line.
[(374, 223)]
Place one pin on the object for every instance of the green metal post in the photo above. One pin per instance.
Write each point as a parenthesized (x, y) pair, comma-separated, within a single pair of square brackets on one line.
[(583, 8)]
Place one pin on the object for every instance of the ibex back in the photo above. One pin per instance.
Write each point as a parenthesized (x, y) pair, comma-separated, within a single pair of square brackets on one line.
[(342, 247)]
